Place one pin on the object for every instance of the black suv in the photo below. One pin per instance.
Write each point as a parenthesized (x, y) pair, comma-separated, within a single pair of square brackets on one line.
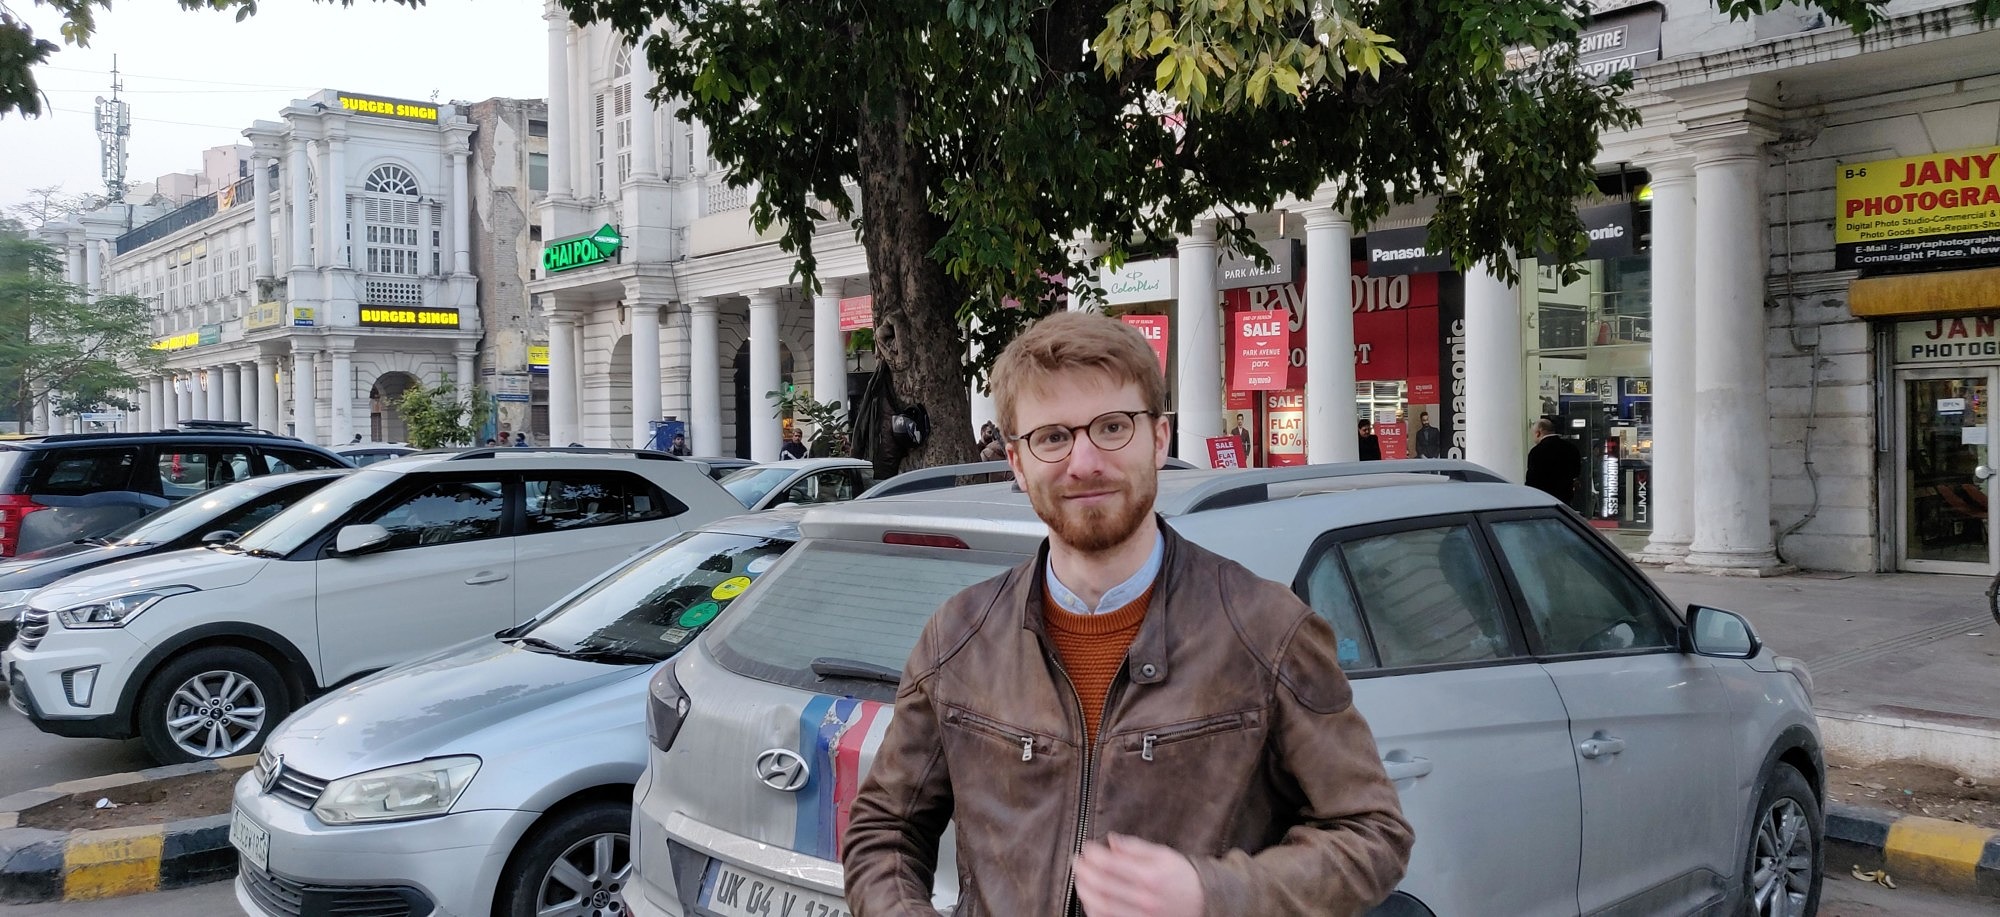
[(59, 488)]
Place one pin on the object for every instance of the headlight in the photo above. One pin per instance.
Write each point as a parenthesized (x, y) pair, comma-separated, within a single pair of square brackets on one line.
[(417, 790), (115, 611), (12, 600)]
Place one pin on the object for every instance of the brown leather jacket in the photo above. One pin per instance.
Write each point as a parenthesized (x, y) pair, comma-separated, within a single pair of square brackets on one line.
[(1229, 734)]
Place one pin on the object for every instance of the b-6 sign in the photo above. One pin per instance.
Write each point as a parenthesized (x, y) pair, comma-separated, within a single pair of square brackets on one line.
[(581, 251)]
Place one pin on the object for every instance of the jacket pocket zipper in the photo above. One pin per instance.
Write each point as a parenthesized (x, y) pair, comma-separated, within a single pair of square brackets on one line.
[(995, 729), (1206, 727)]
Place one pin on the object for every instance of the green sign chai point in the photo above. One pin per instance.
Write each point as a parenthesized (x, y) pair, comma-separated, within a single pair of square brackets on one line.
[(581, 251)]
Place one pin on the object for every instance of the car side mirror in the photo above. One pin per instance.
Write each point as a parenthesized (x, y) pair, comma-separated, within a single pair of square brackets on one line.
[(1722, 634), (360, 539), (220, 536)]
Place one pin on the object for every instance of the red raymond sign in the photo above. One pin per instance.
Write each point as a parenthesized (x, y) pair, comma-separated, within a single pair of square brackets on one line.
[(1154, 329), (857, 312), (1262, 355)]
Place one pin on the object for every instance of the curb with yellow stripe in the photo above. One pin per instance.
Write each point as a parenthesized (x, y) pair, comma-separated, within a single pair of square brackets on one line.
[(1946, 855), (38, 864)]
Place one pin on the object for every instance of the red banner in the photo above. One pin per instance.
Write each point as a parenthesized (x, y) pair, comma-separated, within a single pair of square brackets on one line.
[(1262, 352), (1154, 329), (1285, 421), (1222, 452), (1394, 439), (857, 312)]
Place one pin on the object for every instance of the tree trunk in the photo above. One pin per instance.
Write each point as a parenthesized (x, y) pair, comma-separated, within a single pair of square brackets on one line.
[(916, 302)]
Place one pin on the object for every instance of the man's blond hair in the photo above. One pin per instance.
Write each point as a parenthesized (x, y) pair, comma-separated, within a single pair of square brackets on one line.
[(1070, 342)]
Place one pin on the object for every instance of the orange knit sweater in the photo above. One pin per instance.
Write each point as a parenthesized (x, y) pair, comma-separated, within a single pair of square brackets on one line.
[(1091, 648)]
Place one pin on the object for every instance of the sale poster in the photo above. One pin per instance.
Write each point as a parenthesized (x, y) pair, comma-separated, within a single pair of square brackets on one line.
[(1394, 439), (1154, 329), (1285, 425), (1262, 355), (1223, 452)]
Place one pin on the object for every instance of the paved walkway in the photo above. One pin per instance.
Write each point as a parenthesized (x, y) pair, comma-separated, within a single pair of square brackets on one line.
[(1906, 645)]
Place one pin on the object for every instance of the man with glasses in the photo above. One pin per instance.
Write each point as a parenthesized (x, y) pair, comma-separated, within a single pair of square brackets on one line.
[(1061, 713)]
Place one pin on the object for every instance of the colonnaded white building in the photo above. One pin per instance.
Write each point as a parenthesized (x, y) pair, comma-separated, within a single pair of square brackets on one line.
[(1778, 354)]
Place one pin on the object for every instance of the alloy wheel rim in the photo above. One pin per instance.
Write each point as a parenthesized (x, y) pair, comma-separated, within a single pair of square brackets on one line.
[(588, 879), (1782, 867), (215, 714)]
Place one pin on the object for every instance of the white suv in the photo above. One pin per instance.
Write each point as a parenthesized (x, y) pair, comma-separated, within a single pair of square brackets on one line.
[(202, 652)]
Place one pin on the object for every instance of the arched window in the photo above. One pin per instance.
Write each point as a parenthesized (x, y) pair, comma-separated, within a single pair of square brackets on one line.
[(612, 135), (393, 215)]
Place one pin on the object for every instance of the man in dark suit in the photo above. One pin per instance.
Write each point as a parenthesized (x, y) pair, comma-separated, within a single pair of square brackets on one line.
[(1371, 447), (1430, 440), (1553, 464)]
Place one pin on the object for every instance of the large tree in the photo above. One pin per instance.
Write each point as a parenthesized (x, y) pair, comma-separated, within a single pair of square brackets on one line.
[(985, 137), (78, 354)]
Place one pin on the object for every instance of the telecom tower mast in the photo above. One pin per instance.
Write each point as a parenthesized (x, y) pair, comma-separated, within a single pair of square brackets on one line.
[(114, 129)]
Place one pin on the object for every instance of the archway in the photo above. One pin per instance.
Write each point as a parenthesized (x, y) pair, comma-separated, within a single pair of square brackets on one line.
[(618, 394), (385, 423), (743, 415)]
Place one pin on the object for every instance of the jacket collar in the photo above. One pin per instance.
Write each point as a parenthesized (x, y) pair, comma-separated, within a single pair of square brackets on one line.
[(1146, 661)]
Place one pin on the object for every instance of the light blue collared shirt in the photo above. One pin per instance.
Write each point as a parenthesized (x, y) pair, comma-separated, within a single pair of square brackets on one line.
[(1120, 595)]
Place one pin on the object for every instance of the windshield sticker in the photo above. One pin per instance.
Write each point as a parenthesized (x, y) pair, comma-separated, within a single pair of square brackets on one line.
[(699, 615), (676, 634), (761, 564), (730, 588)]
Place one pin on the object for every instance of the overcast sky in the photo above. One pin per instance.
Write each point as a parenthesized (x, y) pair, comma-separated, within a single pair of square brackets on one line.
[(196, 79)]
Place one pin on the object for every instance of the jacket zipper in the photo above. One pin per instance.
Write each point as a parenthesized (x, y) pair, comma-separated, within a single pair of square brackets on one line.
[(1089, 764), (981, 724), (1195, 731)]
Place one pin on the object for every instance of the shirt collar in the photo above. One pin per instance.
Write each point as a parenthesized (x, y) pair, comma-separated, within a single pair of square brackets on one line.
[(1120, 595)]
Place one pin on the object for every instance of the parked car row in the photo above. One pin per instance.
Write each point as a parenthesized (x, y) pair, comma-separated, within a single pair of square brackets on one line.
[(1564, 739)]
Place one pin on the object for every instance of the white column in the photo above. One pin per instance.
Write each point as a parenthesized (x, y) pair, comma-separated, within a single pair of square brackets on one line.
[(645, 136), (704, 379), (260, 184), (461, 209), (246, 386), (42, 415), (983, 410), (73, 269), (211, 379), (305, 394), (766, 430), (830, 348), (1329, 339), (189, 397), (267, 393), (1198, 391), (172, 409), (340, 395), (560, 137), (645, 370), (149, 403), (231, 389), (93, 268), (563, 378), (1732, 522), (1496, 400), (301, 234), (467, 373), (333, 204), (1673, 361)]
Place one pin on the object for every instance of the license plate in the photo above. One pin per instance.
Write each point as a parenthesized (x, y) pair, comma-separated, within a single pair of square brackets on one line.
[(250, 839), (731, 892)]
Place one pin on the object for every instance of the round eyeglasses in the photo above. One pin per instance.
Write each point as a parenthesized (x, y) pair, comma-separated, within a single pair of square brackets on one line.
[(1109, 432)]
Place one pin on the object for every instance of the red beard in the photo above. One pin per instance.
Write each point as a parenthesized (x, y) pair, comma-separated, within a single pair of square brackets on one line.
[(1095, 529)]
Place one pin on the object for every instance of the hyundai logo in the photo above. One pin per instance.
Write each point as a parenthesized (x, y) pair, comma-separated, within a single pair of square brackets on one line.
[(782, 769)]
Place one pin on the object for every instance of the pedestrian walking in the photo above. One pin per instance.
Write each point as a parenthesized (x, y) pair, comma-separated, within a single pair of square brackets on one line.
[(991, 447), (1120, 629), (520, 440), (793, 448), (1371, 446), (1553, 464)]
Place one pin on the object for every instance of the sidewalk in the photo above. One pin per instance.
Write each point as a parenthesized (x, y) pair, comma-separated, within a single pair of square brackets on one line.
[(1919, 653)]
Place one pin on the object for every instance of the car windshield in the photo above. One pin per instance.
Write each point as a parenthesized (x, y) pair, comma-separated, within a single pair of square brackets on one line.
[(855, 604), (754, 483), (289, 530), (184, 517), (661, 601)]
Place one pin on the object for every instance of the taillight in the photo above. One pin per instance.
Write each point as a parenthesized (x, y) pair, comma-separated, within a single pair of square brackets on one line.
[(666, 708), (923, 540), (14, 508)]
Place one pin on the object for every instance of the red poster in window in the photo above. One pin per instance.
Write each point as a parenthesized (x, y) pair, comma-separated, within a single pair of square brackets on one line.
[(1222, 452), (1261, 357), (1154, 329), (1285, 424), (1394, 439), (857, 312)]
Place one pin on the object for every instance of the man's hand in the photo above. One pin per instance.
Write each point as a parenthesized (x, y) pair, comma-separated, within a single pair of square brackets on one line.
[(1128, 877)]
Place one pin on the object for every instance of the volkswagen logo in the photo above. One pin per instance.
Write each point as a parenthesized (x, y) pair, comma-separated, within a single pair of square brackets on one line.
[(271, 776), (782, 769)]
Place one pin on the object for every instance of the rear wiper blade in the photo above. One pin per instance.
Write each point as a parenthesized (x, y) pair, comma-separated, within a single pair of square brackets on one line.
[(835, 667)]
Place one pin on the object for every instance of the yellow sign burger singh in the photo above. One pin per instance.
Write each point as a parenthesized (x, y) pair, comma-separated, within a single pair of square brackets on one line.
[(1938, 211), (408, 317), (388, 108)]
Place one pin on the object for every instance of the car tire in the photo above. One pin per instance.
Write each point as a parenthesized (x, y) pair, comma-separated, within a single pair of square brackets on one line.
[(594, 840), (1785, 859), (216, 702)]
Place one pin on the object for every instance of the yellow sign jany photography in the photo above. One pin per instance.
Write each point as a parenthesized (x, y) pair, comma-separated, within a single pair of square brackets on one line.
[(1941, 210)]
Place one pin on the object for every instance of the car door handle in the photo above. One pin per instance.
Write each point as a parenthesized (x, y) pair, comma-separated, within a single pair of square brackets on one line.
[(1600, 745), (485, 576), (1402, 767)]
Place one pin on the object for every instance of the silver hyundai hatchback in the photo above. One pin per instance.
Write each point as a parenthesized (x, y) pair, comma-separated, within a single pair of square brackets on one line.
[(1564, 740)]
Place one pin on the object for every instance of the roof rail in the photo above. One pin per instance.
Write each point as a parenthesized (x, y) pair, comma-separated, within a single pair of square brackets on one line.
[(1253, 485), (198, 424), (483, 452), (940, 477), (168, 431)]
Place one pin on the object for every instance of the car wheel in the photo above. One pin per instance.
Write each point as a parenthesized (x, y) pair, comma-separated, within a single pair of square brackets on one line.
[(577, 864), (1785, 863), (212, 703)]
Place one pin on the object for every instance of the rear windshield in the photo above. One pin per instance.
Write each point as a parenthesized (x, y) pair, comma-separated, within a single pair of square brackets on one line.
[(850, 601)]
